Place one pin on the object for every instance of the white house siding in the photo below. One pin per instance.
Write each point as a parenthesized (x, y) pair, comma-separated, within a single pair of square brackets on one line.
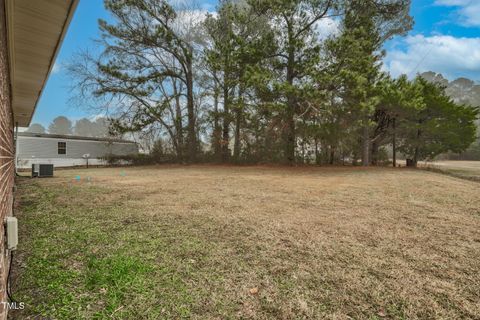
[(32, 150), (58, 163)]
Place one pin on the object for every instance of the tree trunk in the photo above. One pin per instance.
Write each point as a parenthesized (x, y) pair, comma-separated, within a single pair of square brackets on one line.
[(374, 153), (411, 163), (304, 151), (332, 155), (290, 139), (226, 124), (178, 123), (217, 130), (415, 157), (191, 137), (267, 153), (238, 124), (365, 146), (291, 104), (415, 154), (394, 143), (354, 159)]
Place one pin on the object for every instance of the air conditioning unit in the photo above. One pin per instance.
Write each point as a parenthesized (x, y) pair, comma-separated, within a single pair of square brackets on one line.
[(42, 170)]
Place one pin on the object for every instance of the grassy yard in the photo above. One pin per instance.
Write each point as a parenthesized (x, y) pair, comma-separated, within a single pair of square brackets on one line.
[(212, 242), (463, 169)]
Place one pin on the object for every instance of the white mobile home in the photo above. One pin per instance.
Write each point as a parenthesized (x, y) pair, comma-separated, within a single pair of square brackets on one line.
[(68, 151)]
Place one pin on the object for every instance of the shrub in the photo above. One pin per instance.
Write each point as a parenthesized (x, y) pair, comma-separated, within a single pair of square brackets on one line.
[(137, 159)]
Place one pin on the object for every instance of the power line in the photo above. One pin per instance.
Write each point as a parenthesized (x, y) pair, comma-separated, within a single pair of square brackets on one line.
[(420, 62)]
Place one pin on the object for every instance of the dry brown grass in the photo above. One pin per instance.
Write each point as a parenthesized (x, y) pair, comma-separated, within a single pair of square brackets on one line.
[(463, 169), (333, 243)]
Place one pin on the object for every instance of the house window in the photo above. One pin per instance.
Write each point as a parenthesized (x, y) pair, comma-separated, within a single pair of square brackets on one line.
[(62, 148)]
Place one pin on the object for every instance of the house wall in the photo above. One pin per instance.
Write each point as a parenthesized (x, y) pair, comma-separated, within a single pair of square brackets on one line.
[(45, 150), (6, 156)]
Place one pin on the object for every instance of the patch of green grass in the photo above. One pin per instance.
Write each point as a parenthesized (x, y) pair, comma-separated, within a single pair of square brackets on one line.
[(96, 260), (84, 254), (116, 277), (114, 272), (53, 287)]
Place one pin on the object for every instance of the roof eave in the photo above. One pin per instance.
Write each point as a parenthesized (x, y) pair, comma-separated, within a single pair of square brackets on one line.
[(9, 10)]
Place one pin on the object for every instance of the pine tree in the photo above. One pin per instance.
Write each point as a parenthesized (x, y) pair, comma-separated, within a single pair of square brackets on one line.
[(439, 125), (358, 57)]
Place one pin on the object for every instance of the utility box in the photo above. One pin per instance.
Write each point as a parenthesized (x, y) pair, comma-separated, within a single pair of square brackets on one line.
[(12, 233), (42, 170)]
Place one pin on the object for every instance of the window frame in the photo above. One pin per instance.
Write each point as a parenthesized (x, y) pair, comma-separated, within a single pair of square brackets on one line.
[(62, 148)]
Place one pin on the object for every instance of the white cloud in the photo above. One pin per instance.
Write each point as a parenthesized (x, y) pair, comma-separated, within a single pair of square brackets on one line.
[(327, 27), (189, 24), (193, 17), (452, 2), (468, 11), (453, 57), (97, 116)]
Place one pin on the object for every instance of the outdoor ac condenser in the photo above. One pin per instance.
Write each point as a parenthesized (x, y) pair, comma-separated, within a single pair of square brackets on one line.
[(42, 170)]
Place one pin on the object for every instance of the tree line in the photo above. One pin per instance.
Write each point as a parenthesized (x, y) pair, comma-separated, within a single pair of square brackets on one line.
[(257, 82), (82, 127)]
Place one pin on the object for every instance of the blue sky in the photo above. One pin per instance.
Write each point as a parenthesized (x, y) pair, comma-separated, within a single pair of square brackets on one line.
[(445, 39)]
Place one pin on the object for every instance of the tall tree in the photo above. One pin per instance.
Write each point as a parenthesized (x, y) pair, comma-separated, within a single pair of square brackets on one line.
[(365, 27), (97, 128), (60, 125), (239, 40), (147, 65), (463, 91), (100, 127), (439, 126), (220, 59), (298, 52), (398, 99), (36, 128), (83, 127)]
